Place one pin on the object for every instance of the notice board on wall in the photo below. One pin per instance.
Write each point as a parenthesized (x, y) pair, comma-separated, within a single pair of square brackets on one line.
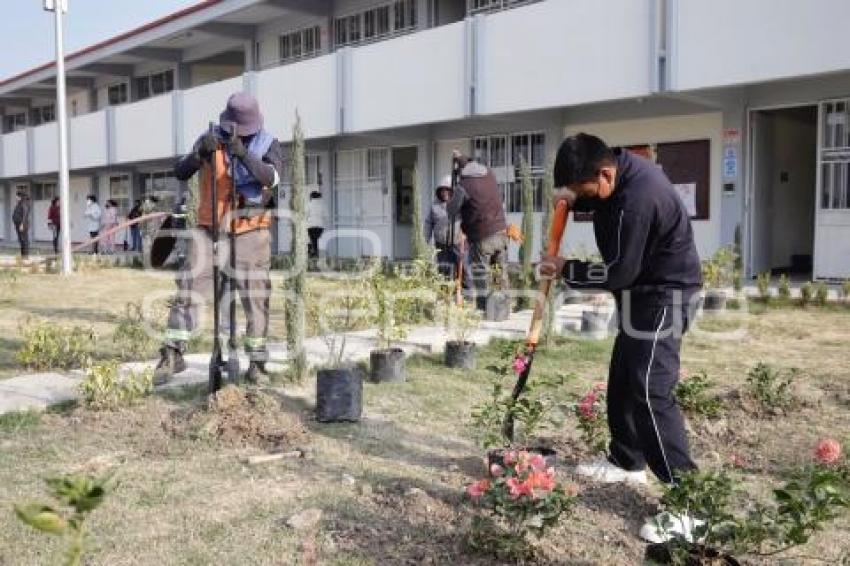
[(688, 166)]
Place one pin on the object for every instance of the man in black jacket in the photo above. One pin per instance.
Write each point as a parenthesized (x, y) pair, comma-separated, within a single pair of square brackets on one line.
[(21, 220), (651, 266)]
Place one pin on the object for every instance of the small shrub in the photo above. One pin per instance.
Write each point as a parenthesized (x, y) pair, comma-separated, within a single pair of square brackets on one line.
[(821, 293), (807, 291), (845, 290), (16, 421), (737, 281), (524, 494), (49, 346), (814, 496), (533, 410), (763, 285), (131, 335), (784, 288), (592, 415), (104, 389), (770, 388), (80, 495), (693, 396)]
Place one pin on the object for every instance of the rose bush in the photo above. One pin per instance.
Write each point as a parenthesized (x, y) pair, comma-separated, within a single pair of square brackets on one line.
[(592, 415), (524, 493)]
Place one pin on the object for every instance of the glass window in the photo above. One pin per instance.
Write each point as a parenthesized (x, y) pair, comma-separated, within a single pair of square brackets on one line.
[(143, 88), (354, 28), (117, 94), (370, 27), (376, 164), (341, 32), (383, 20), (157, 84), (285, 47), (169, 80)]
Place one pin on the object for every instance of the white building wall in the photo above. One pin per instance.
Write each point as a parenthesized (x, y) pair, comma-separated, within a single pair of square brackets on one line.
[(728, 42), (419, 80), (45, 146), (202, 104), (145, 130), (88, 141), (659, 130), (15, 151), (547, 55)]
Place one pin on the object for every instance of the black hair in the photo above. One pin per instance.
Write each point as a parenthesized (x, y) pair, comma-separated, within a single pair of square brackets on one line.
[(55, 200), (315, 194), (580, 158), (93, 198)]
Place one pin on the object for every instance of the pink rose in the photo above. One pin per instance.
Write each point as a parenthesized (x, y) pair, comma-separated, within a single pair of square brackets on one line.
[(510, 458), (538, 462), (478, 489), (517, 488), (828, 451), (519, 365), (496, 470)]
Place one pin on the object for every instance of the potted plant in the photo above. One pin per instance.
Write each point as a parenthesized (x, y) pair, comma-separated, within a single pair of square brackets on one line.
[(460, 321), (718, 275), (339, 386), (387, 362), (733, 522), (532, 411), (498, 301), (596, 321)]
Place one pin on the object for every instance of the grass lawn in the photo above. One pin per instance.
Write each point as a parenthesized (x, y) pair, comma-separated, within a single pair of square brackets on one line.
[(391, 486), (97, 299)]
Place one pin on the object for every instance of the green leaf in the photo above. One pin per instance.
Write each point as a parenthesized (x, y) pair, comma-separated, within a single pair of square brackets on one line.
[(42, 518)]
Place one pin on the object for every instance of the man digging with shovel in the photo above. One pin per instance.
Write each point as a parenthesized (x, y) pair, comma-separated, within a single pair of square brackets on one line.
[(239, 144), (652, 268)]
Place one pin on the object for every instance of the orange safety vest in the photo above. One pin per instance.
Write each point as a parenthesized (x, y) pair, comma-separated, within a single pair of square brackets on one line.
[(224, 185)]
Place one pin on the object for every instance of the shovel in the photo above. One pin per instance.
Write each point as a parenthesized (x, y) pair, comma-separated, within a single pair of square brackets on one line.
[(556, 233)]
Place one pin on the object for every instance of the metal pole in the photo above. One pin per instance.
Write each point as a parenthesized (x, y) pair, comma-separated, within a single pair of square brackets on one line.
[(62, 119)]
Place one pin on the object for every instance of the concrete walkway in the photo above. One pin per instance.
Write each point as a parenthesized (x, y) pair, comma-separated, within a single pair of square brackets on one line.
[(39, 391)]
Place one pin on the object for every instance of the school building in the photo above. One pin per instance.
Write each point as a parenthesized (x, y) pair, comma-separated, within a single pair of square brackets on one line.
[(745, 104)]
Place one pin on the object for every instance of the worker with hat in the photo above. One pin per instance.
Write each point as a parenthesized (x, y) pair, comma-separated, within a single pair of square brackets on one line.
[(447, 239), (256, 155)]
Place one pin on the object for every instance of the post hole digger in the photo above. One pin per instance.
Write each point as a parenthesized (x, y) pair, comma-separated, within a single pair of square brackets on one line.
[(556, 233)]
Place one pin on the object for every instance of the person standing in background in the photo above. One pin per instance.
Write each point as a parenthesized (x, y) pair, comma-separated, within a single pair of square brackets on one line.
[(315, 222), (21, 220), (135, 231), (53, 222), (92, 216), (109, 222)]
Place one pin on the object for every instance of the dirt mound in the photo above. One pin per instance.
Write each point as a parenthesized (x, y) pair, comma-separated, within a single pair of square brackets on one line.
[(238, 417)]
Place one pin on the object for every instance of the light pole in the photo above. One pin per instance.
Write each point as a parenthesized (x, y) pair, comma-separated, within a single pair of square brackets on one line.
[(62, 119)]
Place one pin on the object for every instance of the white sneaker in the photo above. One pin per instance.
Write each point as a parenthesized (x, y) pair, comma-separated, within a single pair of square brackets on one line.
[(666, 526), (604, 471)]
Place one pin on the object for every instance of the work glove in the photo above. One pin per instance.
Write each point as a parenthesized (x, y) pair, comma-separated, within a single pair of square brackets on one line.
[(514, 233), (236, 147), (206, 146)]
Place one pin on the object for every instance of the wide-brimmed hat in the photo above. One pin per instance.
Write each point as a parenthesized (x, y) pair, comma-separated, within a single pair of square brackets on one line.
[(243, 113)]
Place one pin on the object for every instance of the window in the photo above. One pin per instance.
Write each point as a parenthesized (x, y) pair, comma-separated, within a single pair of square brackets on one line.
[(162, 185), (530, 148), (117, 94), (301, 43), (481, 6), (43, 191), (376, 23), (835, 157), (376, 163), (154, 84), (14, 122), (119, 191), (43, 114)]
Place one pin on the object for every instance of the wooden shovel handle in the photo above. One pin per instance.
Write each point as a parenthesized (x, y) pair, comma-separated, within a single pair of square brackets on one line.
[(556, 234)]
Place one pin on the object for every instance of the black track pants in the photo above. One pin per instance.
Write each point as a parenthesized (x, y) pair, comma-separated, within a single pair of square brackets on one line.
[(646, 425)]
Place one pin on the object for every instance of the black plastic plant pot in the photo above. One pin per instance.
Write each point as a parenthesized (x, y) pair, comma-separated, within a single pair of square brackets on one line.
[(498, 456), (595, 324), (339, 395), (460, 354), (498, 307), (386, 365), (697, 555), (714, 301)]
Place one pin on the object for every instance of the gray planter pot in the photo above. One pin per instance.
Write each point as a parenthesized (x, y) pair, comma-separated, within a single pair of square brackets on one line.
[(460, 355), (387, 365), (498, 307), (339, 395), (714, 301), (595, 324)]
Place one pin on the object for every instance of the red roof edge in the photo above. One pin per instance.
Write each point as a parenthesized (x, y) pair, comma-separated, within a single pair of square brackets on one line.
[(136, 31)]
